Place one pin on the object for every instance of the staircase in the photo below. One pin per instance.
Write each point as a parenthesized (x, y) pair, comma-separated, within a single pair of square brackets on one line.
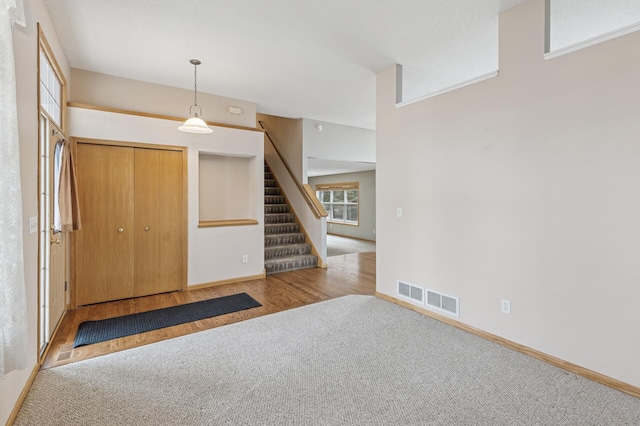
[(285, 248)]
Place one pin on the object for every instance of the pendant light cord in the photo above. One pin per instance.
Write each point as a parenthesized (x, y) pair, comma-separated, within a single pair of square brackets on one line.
[(195, 124), (195, 85)]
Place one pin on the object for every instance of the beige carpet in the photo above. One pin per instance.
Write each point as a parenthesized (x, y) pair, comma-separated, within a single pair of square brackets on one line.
[(356, 360), (338, 245)]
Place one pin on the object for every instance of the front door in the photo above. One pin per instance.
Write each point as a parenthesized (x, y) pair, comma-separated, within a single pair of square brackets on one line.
[(52, 241)]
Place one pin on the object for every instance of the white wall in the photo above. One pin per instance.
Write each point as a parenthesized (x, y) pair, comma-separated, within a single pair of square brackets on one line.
[(215, 254), (226, 187), (133, 95), (286, 133), (367, 208), (337, 142), (524, 187), (25, 45)]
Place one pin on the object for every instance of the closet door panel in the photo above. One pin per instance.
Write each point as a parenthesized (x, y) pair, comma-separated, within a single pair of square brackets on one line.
[(147, 254), (172, 222), (159, 221), (104, 247)]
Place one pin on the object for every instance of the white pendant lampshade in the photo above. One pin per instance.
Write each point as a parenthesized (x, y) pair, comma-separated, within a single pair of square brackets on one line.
[(195, 124)]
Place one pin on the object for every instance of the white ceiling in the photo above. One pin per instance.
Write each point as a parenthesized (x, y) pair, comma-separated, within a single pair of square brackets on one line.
[(323, 167), (314, 59)]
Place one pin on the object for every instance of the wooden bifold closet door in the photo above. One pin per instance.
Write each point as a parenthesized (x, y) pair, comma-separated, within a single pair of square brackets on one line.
[(132, 207), (158, 221)]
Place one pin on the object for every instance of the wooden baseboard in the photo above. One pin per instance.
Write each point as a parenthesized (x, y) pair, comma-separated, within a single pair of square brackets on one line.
[(549, 359), (228, 281), (231, 222), (43, 355), (23, 395)]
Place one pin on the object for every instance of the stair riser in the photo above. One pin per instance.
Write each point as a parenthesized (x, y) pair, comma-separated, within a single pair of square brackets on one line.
[(275, 253), (273, 199), (276, 208), (281, 228), (272, 191), (282, 239), (291, 264), (278, 218)]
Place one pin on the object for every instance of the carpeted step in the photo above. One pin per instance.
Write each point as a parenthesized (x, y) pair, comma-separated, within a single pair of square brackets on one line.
[(274, 199), (276, 208), (281, 239), (290, 263), (271, 191), (278, 218), (286, 250), (281, 228)]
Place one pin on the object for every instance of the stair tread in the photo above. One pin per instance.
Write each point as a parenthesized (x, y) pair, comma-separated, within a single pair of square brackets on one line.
[(286, 246), (285, 234)]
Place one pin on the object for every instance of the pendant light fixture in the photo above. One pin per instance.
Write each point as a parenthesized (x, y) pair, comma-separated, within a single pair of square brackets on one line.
[(195, 124)]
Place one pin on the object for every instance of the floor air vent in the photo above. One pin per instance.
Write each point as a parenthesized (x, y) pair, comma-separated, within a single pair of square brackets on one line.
[(445, 303), (411, 291)]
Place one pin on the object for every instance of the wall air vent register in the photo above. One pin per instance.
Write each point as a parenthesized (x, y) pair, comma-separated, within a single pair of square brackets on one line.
[(434, 300)]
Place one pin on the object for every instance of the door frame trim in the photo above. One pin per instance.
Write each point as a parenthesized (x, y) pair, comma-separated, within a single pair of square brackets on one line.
[(43, 47)]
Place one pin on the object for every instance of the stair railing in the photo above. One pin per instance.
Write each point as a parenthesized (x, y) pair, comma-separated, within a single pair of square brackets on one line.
[(305, 189)]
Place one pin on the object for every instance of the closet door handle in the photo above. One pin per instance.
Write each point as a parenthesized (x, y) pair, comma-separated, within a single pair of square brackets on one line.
[(121, 230), (146, 228)]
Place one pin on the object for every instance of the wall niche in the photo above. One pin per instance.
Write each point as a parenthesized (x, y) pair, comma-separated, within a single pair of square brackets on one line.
[(226, 190)]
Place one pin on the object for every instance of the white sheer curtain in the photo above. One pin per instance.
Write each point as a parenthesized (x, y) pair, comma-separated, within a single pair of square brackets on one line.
[(13, 309)]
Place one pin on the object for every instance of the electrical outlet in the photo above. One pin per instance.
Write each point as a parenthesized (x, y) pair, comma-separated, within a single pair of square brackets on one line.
[(245, 258), (399, 212), (506, 307)]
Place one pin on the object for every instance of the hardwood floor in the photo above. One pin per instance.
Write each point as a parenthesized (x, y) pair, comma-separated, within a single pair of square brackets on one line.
[(346, 274)]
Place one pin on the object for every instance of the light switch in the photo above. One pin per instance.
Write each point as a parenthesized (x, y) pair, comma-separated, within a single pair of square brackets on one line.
[(33, 225)]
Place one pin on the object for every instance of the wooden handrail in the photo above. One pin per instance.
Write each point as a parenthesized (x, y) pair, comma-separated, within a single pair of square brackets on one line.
[(307, 192), (314, 199)]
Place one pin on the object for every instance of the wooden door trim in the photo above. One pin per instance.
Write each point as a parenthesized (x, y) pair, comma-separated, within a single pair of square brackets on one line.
[(127, 144), (185, 201)]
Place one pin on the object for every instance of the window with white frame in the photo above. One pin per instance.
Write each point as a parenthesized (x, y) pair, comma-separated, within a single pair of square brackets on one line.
[(341, 201), (51, 89)]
